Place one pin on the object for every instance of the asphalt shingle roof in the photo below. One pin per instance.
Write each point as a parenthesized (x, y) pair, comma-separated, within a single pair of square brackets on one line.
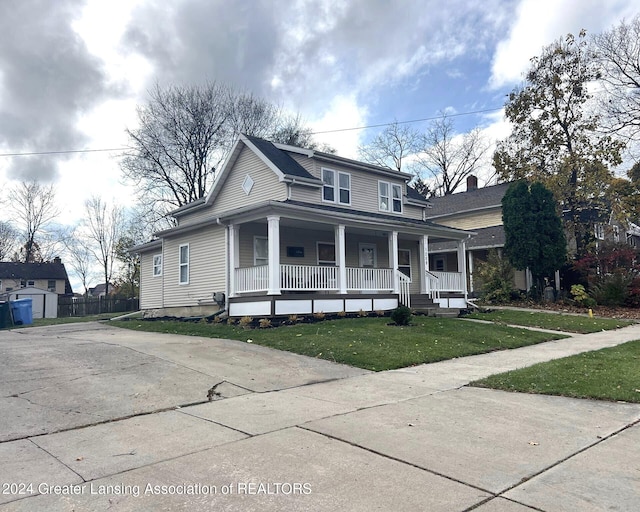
[(281, 159), (467, 201), (485, 238), (33, 271)]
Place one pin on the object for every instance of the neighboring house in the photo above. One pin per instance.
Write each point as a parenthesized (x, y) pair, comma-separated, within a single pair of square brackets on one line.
[(100, 290), (42, 282), (478, 210), (286, 230)]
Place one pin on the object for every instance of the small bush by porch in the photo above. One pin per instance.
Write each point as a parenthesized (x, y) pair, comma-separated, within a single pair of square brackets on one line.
[(369, 343)]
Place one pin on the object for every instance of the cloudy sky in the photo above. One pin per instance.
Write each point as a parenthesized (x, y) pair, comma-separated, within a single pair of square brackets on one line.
[(73, 71)]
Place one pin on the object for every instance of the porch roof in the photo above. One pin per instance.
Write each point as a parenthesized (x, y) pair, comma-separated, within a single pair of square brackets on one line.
[(327, 213), (484, 238)]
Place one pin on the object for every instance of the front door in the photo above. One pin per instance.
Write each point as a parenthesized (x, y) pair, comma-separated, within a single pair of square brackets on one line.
[(368, 255)]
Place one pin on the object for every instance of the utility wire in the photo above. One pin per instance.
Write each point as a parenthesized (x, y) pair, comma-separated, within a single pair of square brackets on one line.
[(71, 151)]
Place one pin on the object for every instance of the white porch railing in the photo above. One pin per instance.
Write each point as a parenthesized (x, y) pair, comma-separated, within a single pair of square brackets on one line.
[(433, 284), (365, 279), (405, 284), (308, 277), (252, 279), (445, 281)]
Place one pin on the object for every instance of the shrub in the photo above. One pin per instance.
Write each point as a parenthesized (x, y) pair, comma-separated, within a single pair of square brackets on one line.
[(245, 321), (217, 319), (265, 323), (581, 296), (293, 319), (495, 278), (379, 312), (342, 314), (633, 300), (319, 315), (612, 290), (401, 315), (362, 313)]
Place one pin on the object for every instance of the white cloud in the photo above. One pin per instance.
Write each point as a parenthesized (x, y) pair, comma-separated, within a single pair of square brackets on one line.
[(343, 112), (540, 22)]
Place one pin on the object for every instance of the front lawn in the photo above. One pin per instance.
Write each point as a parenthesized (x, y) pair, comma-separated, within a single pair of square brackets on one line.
[(552, 321), (607, 374), (366, 342)]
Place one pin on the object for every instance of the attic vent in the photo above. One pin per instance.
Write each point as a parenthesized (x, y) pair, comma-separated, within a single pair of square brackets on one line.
[(247, 185)]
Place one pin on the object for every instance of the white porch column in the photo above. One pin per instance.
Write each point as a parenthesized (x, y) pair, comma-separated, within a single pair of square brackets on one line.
[(393, 259), (470, 272), (341, 258), (462, 264), (423, 262), (273, 222), (557, 280), (234, 257)]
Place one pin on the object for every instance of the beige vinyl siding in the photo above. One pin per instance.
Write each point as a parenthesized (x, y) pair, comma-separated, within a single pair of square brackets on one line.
[(364, 191), (266, 185), (308, 164), (473, 221), (207, 251), (41, 284), (150, 285)]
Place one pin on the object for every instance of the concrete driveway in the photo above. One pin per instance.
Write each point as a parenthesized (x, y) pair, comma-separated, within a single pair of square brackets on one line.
[(94, 418)]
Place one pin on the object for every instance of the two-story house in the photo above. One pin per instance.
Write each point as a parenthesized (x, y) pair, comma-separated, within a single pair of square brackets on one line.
[(286, 230)]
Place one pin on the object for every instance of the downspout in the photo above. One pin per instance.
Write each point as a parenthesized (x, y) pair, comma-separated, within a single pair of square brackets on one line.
[(226, 262)]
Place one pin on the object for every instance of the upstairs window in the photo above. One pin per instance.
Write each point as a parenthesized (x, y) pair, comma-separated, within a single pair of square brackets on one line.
[(31, 283), (389, 197), (51, 285), (184, 264), (336, 190), (157, 265)]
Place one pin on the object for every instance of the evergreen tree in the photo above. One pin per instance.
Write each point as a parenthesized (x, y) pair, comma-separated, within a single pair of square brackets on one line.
[(534, 236)]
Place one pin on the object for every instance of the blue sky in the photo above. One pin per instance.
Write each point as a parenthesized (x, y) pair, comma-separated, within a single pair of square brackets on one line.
[(73, 71)]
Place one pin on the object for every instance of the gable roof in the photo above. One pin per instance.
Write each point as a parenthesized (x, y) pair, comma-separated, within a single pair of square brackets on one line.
[(462, 202), (281, 159), (32, 271)]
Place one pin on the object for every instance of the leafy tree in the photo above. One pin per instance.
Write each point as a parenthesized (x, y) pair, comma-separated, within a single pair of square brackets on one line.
[(534, 237), (446, 158), (555, 138), (618, 54)]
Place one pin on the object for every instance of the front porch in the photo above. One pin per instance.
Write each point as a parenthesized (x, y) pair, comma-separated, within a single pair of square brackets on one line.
[(283, 266)]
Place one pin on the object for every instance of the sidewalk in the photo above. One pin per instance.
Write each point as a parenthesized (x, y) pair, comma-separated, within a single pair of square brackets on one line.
[(409, 439)]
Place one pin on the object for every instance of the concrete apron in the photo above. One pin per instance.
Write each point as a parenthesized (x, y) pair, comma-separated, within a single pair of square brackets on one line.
[(410, 439)]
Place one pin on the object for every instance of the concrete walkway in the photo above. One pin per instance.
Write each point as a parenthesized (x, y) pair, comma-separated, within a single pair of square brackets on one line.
[(294, 433)]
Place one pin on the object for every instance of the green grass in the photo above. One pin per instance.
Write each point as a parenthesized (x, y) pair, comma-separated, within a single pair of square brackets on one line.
[(607, 374), (553, 321), (366, 342)]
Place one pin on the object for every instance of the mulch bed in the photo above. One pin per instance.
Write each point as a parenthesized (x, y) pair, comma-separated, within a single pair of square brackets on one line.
[(602, 311)]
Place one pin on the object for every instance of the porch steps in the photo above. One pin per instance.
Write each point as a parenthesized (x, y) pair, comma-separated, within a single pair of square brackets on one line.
[(425, 305)]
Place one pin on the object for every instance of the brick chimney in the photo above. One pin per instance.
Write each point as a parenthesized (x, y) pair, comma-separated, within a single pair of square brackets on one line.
[(57, 259), (472, 183)]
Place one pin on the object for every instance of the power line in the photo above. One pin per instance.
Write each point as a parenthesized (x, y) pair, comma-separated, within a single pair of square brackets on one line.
[(409, 122), (337, 130)]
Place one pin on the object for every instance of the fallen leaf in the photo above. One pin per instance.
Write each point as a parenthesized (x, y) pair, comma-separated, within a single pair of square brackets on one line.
[(534, 443), (79, 458)]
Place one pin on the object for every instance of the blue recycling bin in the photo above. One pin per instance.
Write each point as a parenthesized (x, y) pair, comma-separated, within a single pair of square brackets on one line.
[(22, 310)]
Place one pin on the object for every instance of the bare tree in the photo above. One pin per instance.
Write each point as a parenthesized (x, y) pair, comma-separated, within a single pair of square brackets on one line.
[(34, 209), (447, 158), (391, 147), (618, 55), (80, 259), (292, 130), (104, 227), (8, 239), (184, 135)]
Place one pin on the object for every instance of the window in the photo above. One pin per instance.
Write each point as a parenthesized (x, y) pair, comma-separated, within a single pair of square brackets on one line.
[(23, 284), (157, 265), (31, 283), (51, 285), (389, 197), (616, 234), (326, 253), (404, 262), (260, 250), (184, 264), (343, 185), (439, 264)]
